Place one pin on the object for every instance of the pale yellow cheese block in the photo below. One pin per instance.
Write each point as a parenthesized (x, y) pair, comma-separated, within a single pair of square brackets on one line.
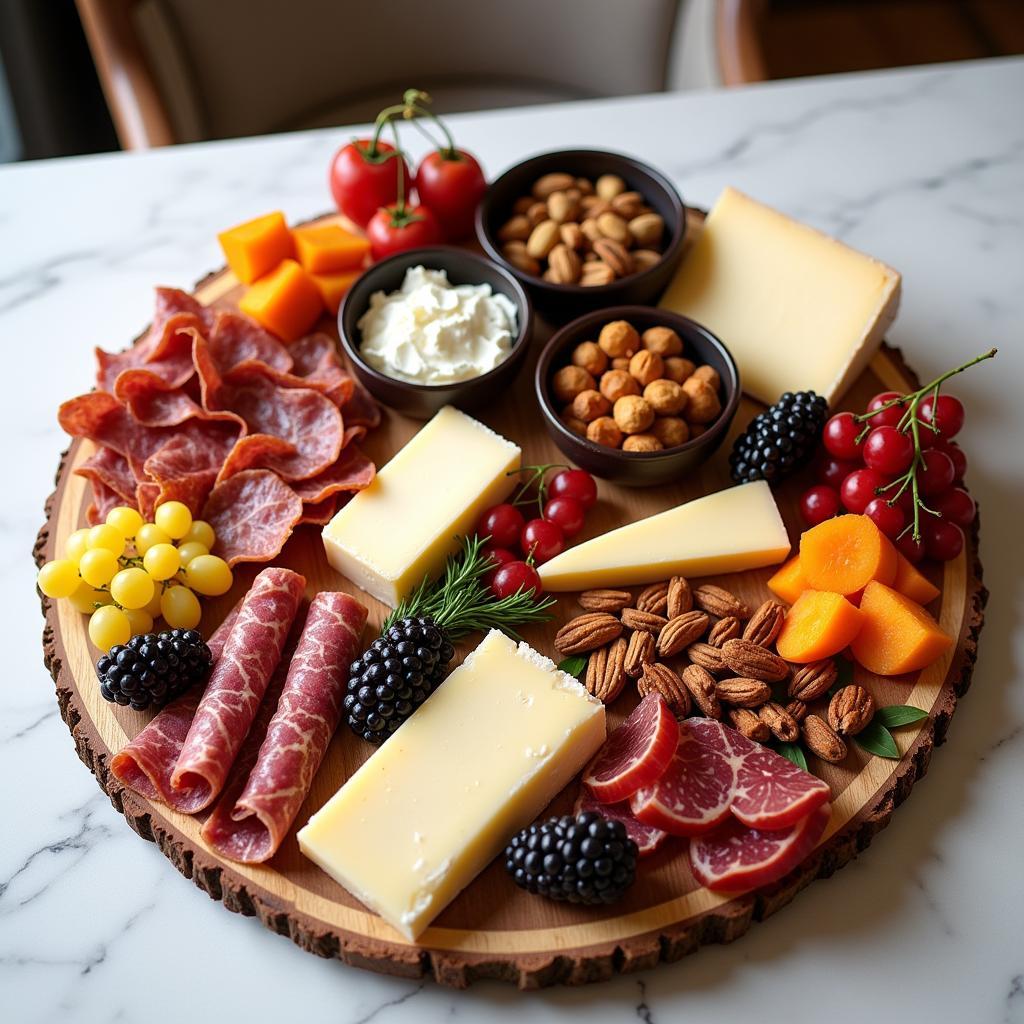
[(485, 754), (729, 531), (404, 525), (798, 310)]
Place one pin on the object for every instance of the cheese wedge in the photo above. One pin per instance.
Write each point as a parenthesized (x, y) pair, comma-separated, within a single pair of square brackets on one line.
[(404, 525), (735, 529), (486, 753), (797, 309)]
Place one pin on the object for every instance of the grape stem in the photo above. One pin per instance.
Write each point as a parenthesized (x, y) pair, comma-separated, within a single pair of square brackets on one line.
[(537, 478), (912, 422)]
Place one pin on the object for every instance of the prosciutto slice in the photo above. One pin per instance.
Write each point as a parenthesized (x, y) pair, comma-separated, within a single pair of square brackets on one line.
[(237, 685), (275, 769), (147, 762)]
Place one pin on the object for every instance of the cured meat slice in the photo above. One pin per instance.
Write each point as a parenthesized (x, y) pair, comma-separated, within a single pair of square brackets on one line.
[(361, 410), (735, 858), (353, 471), (253, 515), (647, 837), (636, 753), (249, 824), (110, 470), (236, 688), (235, 339), (146, 762), (319, 513)]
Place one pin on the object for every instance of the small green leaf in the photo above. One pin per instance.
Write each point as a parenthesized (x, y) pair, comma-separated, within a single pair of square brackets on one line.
[(876, 739), (896, 715), (793, 752), (574, 665)]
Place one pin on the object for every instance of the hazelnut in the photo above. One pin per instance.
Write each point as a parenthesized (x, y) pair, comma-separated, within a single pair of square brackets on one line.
[(575, 425), (666, 397), (633, 414), (642, 443), (616, 384), (662, 340), (708, 374), (671, 431), (569, 381), (604, 430), (590, 404), (646, 366), (588, 354), (620, 363), (703, 405), (678, 369), (619, 338)]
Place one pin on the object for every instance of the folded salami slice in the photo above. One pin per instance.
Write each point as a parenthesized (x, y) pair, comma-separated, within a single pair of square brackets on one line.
[(236, 688), (271, 778), (145, 764)]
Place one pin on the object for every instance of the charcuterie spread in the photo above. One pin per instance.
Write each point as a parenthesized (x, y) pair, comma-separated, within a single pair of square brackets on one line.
[(720, 676)]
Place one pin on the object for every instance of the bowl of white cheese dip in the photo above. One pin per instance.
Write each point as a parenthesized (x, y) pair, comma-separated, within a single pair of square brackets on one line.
[(435, 327)]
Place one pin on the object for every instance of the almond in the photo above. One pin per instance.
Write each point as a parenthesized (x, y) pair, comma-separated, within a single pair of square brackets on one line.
[(628, 204), (555, 182), (608, 186), (612, 226), (680, 597), (515, 253), (653, 598), (605, 600), (661, 679), (639, 651), (542, 239), (707, 657), (718, 601), (596, 274), (765, 624), (745, 721), (747, 659), (701, 685), (850, 710), (644, 259), (681, 632), (783, 725), (810, 681), (536, 213), (515, 229), (821, 740), (615, 255), (633, 618), (606, 675), (647, 229), (742, 692), (572, 236), (562, 207), (724, 629), (565, 264), (587, 633)]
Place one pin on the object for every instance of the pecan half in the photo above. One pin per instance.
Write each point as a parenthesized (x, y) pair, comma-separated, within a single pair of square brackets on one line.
[(765, 624), (850, 710), (718, 601), (724, 629), (742, 692), (605, 600), (587, 633), (606, 673), (810, 681), (640, 650), (747, 722), (679, 598), (680, 632), (747, 659), (796, 708), (782, 724), (653, 598), (633, 618), (661, 679), (706, 656), (701, 684), (821, 740)]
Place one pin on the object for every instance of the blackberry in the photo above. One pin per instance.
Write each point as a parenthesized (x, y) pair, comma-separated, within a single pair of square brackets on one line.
[(395, 675), (779, 440), (582, 859), (153, 668)]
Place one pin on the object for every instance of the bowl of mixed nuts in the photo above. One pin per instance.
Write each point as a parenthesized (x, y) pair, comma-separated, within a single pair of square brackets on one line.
[(637, 395), (584, 229)]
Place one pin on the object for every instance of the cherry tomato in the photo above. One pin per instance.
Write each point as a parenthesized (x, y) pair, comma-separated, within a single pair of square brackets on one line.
[(935, 474), (574, 483), (859, 489), (888, 451), (503, 524), (890, 519), (840, 436), (818, 504), (542, 539), (912, 550), (394, 230), (567, 512), (451, 184), (362, 182), (947, 414), (951, 448), (891, 417), (832, 472), (957, 506), (513, 577), (943, 541)]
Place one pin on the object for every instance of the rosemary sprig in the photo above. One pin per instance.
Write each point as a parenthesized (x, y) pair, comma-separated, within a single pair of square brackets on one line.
[(460, 602)]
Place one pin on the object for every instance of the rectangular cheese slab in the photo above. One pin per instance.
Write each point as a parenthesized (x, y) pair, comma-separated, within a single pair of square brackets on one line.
[(735, 529), (479, 760), (404, 525), (797, 309)]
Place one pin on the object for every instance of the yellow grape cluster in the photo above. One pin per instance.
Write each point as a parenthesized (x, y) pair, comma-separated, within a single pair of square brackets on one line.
[(125, 572)]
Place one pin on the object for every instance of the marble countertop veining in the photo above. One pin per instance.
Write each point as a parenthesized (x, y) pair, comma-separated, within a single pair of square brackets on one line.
[(922, 168)]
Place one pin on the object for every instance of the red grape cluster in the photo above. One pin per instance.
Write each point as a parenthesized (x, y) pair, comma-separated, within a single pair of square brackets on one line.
[(865, 462), (517, 544)]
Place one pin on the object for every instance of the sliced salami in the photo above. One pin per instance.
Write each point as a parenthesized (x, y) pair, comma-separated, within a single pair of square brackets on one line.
[(236, 687), (266, 789)]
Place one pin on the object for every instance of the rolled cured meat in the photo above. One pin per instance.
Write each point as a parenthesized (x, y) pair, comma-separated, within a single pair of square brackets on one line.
[(146, 763), (273, 773), (237, 685)]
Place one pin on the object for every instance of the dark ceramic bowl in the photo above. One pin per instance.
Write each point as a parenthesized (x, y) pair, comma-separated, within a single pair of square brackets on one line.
[(562, 301), (421, 401), (638, 469)]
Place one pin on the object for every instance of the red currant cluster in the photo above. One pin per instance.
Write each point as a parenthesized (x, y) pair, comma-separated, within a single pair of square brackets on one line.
[(516, 544)]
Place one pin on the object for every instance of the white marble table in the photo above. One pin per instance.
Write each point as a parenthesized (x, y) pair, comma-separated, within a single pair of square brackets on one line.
[(924, 169)]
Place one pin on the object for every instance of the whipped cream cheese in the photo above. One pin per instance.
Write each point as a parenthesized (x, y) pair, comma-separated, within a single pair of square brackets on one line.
[(434, 332)]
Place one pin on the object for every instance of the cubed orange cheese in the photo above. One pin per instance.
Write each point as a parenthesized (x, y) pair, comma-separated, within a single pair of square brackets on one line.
[(256, 247), (334, 286), (911, 583), (286, 302), (897, 635), (789, 581), (329, 249)]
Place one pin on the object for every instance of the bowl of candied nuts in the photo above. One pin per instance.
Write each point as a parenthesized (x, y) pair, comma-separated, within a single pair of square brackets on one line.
[(637, 395), (582, 229)]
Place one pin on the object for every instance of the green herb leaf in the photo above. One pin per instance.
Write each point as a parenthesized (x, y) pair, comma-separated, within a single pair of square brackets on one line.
[(573, 665), (876, 739), (896, 715), (793, 752)]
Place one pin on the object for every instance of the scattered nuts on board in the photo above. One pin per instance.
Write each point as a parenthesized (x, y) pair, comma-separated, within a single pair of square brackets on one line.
[(587, 633), (639, 652), (661, 679), (850, 710), (727, 628), (606, 676), (605, 600), (821, 740)]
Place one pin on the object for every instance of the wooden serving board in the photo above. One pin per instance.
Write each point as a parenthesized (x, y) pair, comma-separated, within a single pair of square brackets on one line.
[(493, 929)]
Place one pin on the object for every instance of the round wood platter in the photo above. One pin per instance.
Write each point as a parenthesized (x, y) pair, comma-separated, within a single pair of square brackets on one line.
[(493, 929)]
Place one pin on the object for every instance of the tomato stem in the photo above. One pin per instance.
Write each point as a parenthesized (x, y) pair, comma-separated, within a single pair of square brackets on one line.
[(417, 103)]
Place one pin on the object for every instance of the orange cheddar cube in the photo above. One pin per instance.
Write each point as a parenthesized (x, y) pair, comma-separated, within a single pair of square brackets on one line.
[(818, 626), (256, 247), (286, 301), (789, 581), (911, 583), (329, 249), (844, 554), (333, 287)]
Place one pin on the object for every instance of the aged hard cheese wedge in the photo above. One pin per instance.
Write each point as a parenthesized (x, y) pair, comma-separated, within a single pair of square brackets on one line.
[(404, 525), (797, 309), (732, 530), (437, 802)]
